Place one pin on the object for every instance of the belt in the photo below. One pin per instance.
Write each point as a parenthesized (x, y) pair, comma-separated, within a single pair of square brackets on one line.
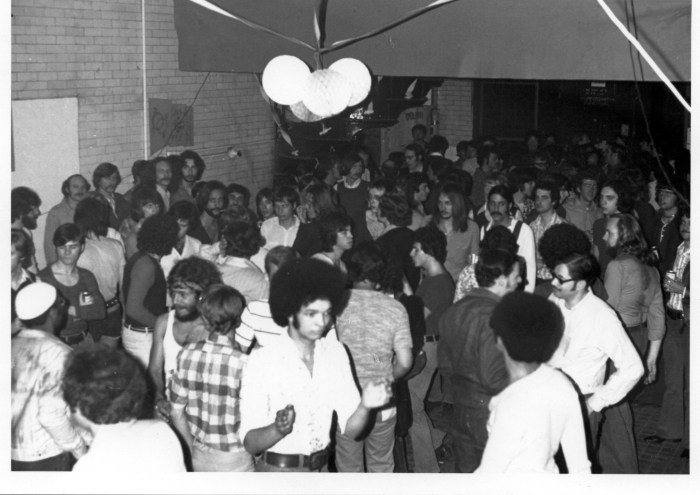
[(74, 339), (431, 338), (313, 462), (112, 302), (138, 329)]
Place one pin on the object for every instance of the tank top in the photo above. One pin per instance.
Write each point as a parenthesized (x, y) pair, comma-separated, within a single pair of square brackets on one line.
[(155, 297)]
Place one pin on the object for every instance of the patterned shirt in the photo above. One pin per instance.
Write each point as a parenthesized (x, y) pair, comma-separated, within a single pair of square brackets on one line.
[(41, 421), (675, 301), (207, 385), (539, 227)]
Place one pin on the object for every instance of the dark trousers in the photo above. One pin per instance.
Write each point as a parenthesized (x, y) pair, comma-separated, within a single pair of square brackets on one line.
[(673, 418), (60, 462), (617, 447), (469, 436)]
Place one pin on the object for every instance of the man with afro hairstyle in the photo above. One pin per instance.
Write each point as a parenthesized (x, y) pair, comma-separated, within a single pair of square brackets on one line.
[(180, 326), (105, 389), (539, 410), (292, 386)]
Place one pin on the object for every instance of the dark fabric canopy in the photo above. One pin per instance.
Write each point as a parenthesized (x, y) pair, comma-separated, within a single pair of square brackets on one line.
[(496, 39)]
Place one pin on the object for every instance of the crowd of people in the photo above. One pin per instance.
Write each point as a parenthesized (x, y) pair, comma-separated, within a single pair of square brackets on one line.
[(529, 290)]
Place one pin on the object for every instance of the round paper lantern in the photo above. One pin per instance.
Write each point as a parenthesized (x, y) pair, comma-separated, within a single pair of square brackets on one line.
[(326, 93), (283, 79), (302, 113), (357, 73)]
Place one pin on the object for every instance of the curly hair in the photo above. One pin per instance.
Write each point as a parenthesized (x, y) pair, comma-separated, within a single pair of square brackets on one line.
[(140, 197), (92, 216), (395, 208), (554, 189), (239, 189), (365, 262), (329, 226), (158, 235), (242, 239), (499, 237), (195, 273), (106, 385), (493, 265), (529, 326), (221, 306), (301, 282), (432, 242), (560, 241), (22, 201), (185, 210), (206, 190)]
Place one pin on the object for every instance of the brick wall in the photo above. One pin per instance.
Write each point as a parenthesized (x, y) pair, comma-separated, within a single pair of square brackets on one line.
[(455, 105), (92, 50)]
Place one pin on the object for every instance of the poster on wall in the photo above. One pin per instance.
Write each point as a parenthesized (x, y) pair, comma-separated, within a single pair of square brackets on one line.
[(170, 124)]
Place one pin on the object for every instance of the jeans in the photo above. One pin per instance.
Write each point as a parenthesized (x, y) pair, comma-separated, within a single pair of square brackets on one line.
[(208, 459), (138, 344), (673, 418), (469, 436), (378, 449), (425, 438)]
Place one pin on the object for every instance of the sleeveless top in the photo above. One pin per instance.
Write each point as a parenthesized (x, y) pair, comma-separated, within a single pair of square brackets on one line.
[(155, 297)]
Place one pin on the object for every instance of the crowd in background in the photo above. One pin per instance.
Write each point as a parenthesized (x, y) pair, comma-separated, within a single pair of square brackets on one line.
[(187, 324)]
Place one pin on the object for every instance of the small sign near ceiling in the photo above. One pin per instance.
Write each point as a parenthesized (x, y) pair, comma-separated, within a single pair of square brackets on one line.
[(170, 124)]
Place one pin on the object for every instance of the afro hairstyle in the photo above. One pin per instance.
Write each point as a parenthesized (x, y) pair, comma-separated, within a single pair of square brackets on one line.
[(301, 282), (560, 241), (158, 235), (529, 326)]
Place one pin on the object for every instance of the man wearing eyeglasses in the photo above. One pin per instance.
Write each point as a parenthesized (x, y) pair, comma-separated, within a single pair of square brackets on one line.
[(594, 334)]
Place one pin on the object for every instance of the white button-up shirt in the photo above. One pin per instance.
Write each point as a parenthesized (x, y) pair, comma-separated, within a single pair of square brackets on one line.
[(276, 376), (276, 235), (594, 334)]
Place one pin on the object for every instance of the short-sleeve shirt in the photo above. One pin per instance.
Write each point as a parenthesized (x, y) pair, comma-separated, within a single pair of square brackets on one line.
[(373, 326)]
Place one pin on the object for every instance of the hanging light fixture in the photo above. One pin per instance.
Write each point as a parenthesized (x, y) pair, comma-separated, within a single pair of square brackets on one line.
[(284, 79)]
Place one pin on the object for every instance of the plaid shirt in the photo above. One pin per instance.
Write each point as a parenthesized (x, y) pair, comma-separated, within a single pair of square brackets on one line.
[(539, 227), (207, 385)]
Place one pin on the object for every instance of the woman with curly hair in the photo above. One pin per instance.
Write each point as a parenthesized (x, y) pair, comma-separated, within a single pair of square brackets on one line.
[(242, 240), (105, 390), (144, 288)]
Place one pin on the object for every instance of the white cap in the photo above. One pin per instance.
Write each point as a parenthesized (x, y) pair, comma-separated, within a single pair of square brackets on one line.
[(34, 299)]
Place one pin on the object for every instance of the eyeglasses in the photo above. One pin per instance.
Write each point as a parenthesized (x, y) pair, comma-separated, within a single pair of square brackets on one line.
[(561, 281)]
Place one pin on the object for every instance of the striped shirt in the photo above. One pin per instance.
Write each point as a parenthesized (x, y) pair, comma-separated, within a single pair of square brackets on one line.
[(207, 385)]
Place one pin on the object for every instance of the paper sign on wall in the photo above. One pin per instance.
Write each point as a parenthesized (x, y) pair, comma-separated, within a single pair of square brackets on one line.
[(170, 124)]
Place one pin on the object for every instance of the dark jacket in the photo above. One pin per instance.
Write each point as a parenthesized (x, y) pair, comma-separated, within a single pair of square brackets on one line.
[(467, 353)]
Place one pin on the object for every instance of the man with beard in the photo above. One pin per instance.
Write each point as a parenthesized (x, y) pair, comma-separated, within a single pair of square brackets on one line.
[(211, 201), (499, 204), (592, 336), (74, 188), (181, 326), (159, 174), (25, 210), (192, 168), (292, 387)]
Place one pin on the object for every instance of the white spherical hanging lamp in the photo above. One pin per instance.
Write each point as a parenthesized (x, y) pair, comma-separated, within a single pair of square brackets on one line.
[(284, 78), (357, 74), (326, 93), (302, 113)]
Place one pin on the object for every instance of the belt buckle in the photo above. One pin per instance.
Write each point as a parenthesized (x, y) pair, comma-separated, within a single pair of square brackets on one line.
[(318, 459)]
